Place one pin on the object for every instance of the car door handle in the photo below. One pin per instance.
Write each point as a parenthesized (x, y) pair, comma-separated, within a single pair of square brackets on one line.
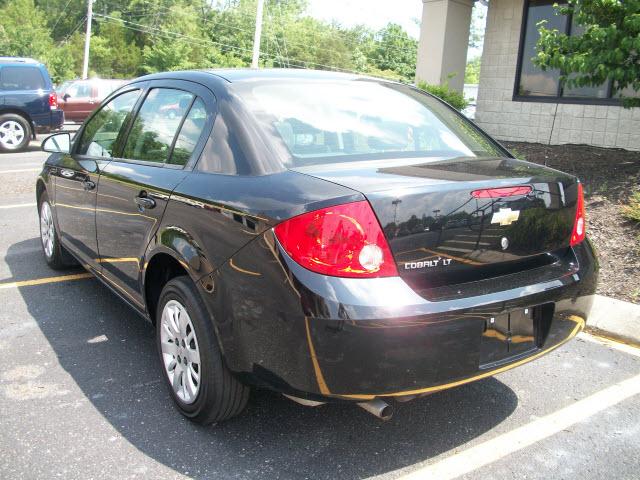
[(145, 203), (88, 185)]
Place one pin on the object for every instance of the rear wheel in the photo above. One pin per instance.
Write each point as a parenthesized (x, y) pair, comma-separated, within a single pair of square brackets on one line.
[(55, 254), (201, 386), (15, 133)]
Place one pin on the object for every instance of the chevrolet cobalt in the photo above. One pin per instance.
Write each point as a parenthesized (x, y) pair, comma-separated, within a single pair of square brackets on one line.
[(331, 237)]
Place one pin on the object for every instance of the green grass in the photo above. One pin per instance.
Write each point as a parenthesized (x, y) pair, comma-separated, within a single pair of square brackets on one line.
[(631, 211)]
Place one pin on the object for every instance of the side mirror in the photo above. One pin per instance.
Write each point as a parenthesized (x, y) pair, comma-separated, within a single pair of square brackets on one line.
[(57, 143)]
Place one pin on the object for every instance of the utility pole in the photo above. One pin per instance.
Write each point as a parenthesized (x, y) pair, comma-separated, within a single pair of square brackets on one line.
[(87, 40), (257, 35)]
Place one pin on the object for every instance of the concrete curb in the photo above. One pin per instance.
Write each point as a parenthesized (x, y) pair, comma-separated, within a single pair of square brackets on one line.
[(615, 318)]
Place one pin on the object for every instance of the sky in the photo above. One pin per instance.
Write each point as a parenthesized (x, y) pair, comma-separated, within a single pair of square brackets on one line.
[(375, 14)]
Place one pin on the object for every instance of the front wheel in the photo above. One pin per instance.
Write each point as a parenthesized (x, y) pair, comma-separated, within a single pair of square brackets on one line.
[(55, 254), (201, 386)]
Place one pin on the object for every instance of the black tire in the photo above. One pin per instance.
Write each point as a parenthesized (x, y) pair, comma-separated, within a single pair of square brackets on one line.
[(56, 255), (220, 395), (11, 144)]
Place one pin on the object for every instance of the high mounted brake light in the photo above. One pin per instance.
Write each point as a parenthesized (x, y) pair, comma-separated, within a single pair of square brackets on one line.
[(579, 225), (342, 241), (501, 192)]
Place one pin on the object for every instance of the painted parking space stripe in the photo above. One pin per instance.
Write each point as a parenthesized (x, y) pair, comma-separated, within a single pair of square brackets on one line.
[(622, 346), (21, 170), (17, 205), (44, 281), (499, 447)]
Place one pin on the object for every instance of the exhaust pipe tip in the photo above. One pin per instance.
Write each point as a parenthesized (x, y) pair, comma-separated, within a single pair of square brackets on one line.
[(378, 408)]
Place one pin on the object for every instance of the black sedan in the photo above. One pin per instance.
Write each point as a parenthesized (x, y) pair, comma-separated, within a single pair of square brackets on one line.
[(328, 236)]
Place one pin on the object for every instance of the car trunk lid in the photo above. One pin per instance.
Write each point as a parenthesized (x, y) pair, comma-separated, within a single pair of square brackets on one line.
[(451, 221)]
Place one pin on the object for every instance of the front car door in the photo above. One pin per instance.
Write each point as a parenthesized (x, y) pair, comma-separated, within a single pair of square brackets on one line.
[(135, 188), (77, 176)]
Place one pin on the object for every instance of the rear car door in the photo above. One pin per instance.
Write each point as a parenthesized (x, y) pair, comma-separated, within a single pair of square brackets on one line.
[(77, 176), (135, 188)]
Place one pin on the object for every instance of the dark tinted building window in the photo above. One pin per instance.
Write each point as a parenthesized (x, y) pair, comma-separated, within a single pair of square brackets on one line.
[(189, 134), (531, 81), (102, 130), (156, 125), (21, 78)]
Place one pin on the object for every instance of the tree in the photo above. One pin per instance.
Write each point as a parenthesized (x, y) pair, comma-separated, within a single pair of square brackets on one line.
[(607, 46), (396, 51), (24, 31), (472, 72)]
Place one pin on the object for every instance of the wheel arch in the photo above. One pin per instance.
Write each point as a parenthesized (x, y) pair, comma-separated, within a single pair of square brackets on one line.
[(40, 189), (17, 111), (159, 269)]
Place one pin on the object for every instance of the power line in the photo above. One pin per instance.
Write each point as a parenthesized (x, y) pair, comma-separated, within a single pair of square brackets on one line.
[(195, 41)]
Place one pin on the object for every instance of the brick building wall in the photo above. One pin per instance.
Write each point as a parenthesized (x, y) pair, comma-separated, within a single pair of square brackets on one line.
[(498, 114)]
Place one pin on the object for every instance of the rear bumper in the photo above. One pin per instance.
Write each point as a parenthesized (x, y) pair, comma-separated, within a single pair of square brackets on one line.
[(315, 336), (56, 122)]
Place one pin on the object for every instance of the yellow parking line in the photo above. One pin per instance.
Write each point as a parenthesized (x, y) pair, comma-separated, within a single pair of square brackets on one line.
[(18, 205), (43, 281), (522, 437)]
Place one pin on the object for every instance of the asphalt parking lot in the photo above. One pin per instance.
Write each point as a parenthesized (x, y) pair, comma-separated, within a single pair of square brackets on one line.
[(81, 396)]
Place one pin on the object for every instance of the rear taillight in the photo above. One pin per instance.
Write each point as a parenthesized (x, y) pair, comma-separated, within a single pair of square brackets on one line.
[(53, 100), (579, 224), (341, 241)]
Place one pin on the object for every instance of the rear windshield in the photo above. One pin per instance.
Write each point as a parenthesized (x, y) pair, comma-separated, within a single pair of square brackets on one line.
[(343, 121)]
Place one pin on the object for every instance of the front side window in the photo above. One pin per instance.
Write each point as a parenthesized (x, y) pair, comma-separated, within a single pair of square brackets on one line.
[(156, 125), (327, 122), (21, 78), (101, 132)]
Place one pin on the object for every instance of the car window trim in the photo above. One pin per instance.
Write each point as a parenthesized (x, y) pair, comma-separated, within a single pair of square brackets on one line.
[(175, 135)]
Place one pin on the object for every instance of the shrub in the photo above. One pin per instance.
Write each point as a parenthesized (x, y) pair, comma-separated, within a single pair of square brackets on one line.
[(632, 210), (444, 92)]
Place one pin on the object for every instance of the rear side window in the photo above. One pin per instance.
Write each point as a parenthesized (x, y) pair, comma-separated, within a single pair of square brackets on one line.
[(189, 134), (102, 130), (156, 125), (21, 78)]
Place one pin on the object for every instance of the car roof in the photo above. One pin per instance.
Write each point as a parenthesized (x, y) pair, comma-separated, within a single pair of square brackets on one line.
[(239, 75), (250, 74), (19, 61)]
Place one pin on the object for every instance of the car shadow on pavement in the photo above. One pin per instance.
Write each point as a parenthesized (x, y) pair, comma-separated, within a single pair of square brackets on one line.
[(109, 352)]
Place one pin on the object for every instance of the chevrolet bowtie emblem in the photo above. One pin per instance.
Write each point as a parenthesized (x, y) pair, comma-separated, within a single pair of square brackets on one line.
[(505, 216)]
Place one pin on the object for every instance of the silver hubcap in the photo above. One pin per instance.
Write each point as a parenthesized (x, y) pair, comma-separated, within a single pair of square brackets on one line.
[(47, 230), (11, 134), (180, 353)]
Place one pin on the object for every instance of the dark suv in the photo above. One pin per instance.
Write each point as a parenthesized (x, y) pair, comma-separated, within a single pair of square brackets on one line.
[(28, 103)]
